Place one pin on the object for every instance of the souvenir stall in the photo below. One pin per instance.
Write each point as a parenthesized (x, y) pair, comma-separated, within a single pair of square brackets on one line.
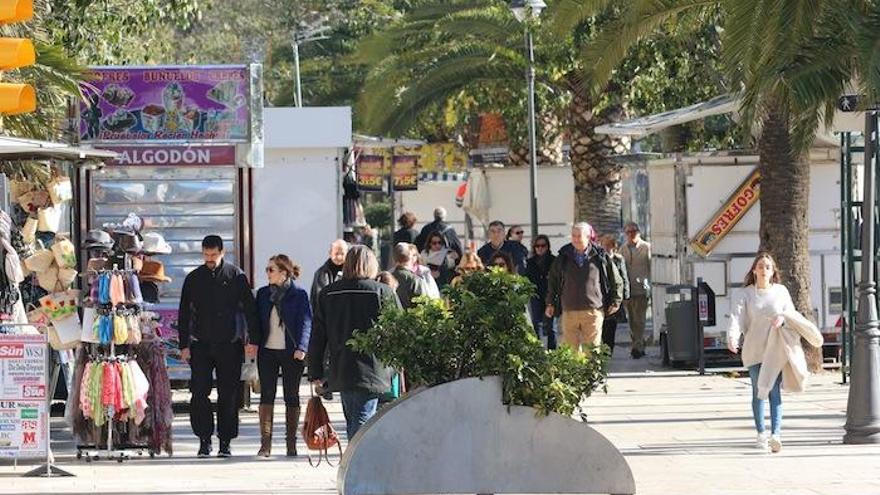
[(187, 137), (37, 288), (121, 394)]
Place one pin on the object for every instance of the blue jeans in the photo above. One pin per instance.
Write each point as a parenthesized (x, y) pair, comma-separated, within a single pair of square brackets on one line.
[(541, 323), (758, 404), (358, 406)]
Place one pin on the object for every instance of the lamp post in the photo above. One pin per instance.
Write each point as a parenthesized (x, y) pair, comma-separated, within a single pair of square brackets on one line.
[(525, 10), (863, 404), (302, 36)]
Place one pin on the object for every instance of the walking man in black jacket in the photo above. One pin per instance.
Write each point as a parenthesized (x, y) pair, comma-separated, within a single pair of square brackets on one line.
[(214, 298)]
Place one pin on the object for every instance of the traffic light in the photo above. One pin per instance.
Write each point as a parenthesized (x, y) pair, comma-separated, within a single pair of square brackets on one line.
[(16, 53)]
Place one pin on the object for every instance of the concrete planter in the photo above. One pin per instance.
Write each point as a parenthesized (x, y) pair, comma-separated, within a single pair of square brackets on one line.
[(459, 438)]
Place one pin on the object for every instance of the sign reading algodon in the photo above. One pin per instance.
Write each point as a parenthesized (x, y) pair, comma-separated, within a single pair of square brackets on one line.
[(173, 155), (178, 103), (723, 221)]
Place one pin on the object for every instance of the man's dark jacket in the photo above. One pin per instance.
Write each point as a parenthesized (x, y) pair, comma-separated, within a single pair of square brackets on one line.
[(344, 307), (209, 302), (610, 279), (324, 276), (296, 314)]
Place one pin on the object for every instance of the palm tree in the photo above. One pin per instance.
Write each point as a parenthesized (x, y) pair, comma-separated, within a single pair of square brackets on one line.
[(785, 92), (445, 56)]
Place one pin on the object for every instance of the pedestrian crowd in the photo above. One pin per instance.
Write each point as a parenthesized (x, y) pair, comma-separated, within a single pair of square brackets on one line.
[(293, 331), (585, 289)]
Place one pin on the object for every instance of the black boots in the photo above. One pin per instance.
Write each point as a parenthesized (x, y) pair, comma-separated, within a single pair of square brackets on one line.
[(292, 423), (265, 430)]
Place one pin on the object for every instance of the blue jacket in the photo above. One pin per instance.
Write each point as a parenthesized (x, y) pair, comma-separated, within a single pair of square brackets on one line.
[(296, 313)]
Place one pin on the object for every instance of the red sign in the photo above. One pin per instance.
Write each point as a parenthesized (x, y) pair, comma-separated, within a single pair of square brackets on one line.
[(172, 155), (12, 351)]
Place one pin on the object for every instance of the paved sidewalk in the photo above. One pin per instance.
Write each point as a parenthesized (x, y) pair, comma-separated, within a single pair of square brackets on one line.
[(680, 432)]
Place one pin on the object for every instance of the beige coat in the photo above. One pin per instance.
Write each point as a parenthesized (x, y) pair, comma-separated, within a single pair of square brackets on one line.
[(785, 355)]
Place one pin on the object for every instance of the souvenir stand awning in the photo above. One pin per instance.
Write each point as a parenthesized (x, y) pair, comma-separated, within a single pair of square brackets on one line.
[(12, 148)]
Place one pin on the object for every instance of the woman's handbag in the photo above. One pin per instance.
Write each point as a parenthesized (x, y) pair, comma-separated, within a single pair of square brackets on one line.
[(318, 432)]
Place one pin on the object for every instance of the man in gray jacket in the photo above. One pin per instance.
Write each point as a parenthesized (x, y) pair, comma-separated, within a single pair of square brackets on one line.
[(409, 285), (637, 255)]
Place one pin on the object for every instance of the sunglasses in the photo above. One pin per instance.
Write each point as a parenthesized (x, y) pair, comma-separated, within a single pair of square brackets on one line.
[(518, 232)]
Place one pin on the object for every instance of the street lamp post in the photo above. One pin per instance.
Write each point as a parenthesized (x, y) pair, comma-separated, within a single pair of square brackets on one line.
[(524, 10), (313, 33), (863, 404)]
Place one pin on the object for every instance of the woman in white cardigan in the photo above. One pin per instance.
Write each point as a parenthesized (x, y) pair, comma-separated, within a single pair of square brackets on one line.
[(766, 316)]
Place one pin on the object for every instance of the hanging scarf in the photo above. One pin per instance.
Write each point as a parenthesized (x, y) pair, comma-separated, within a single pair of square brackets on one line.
[(120, 330), (105, 329), (134, 329), (141, 387), (96, 380), (85, 402), (104, 288), (117, 290), (135, 285), (277, 293)]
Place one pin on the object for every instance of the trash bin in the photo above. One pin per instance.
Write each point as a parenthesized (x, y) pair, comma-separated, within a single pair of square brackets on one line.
[(681, 331)]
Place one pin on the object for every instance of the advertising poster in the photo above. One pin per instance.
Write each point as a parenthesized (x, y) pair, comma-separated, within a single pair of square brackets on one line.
[(726, 218), (128, 104), (23, 393), (371, 172), (405, 171)]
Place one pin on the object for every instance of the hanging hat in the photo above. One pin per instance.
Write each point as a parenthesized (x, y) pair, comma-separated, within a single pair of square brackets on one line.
[(128, 242), (153, 271), (97, 264), (133, 222), (97, 238), (154, 243)]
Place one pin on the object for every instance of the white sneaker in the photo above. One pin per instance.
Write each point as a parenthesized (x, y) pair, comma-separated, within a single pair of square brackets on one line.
[(775, 444), (763, 442)]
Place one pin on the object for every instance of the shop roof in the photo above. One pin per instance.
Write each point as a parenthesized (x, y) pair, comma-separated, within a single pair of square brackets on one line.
[(12, 148), (645, 126)]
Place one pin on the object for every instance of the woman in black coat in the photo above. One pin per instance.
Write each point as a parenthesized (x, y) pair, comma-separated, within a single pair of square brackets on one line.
[(537, 269), (350, 304)]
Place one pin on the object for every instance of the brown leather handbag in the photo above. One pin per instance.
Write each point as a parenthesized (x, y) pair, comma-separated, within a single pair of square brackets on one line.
[(318, 432)]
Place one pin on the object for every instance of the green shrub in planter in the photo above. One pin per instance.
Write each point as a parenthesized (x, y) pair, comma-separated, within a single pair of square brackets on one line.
[(481, 329)]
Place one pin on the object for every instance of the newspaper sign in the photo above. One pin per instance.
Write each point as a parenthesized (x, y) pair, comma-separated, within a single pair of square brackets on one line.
[(23, 394), (726, 218)]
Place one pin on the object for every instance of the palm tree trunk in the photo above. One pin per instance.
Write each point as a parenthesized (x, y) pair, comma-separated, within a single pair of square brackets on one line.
[(785, 224), (597, 178), (550, 139)]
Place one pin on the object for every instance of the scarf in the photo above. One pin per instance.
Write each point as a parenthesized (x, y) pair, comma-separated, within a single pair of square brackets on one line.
[(277, 293)]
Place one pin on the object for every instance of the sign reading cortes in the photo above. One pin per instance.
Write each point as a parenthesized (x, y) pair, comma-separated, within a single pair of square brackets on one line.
[(173, 155), (726, 218)]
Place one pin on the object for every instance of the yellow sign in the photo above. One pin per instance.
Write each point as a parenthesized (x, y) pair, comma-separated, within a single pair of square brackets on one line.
[(726, 218)]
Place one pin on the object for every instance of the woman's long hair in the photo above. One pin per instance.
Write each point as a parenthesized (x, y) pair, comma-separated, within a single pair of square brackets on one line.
[(540, 237), (750, 276)]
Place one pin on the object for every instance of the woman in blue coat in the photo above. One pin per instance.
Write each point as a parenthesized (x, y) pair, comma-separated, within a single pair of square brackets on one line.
[(282, 337)]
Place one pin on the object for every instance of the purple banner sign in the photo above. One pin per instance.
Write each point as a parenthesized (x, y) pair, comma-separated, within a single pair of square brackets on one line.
[(149, 104), (172, 155)]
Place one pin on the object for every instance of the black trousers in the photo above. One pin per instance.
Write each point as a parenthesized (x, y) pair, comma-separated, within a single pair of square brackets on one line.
[(269, 361), (609, 331), (206, 360)]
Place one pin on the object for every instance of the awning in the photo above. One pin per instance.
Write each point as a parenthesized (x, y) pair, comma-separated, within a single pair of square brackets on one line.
[(645, 126), (12, 148)]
